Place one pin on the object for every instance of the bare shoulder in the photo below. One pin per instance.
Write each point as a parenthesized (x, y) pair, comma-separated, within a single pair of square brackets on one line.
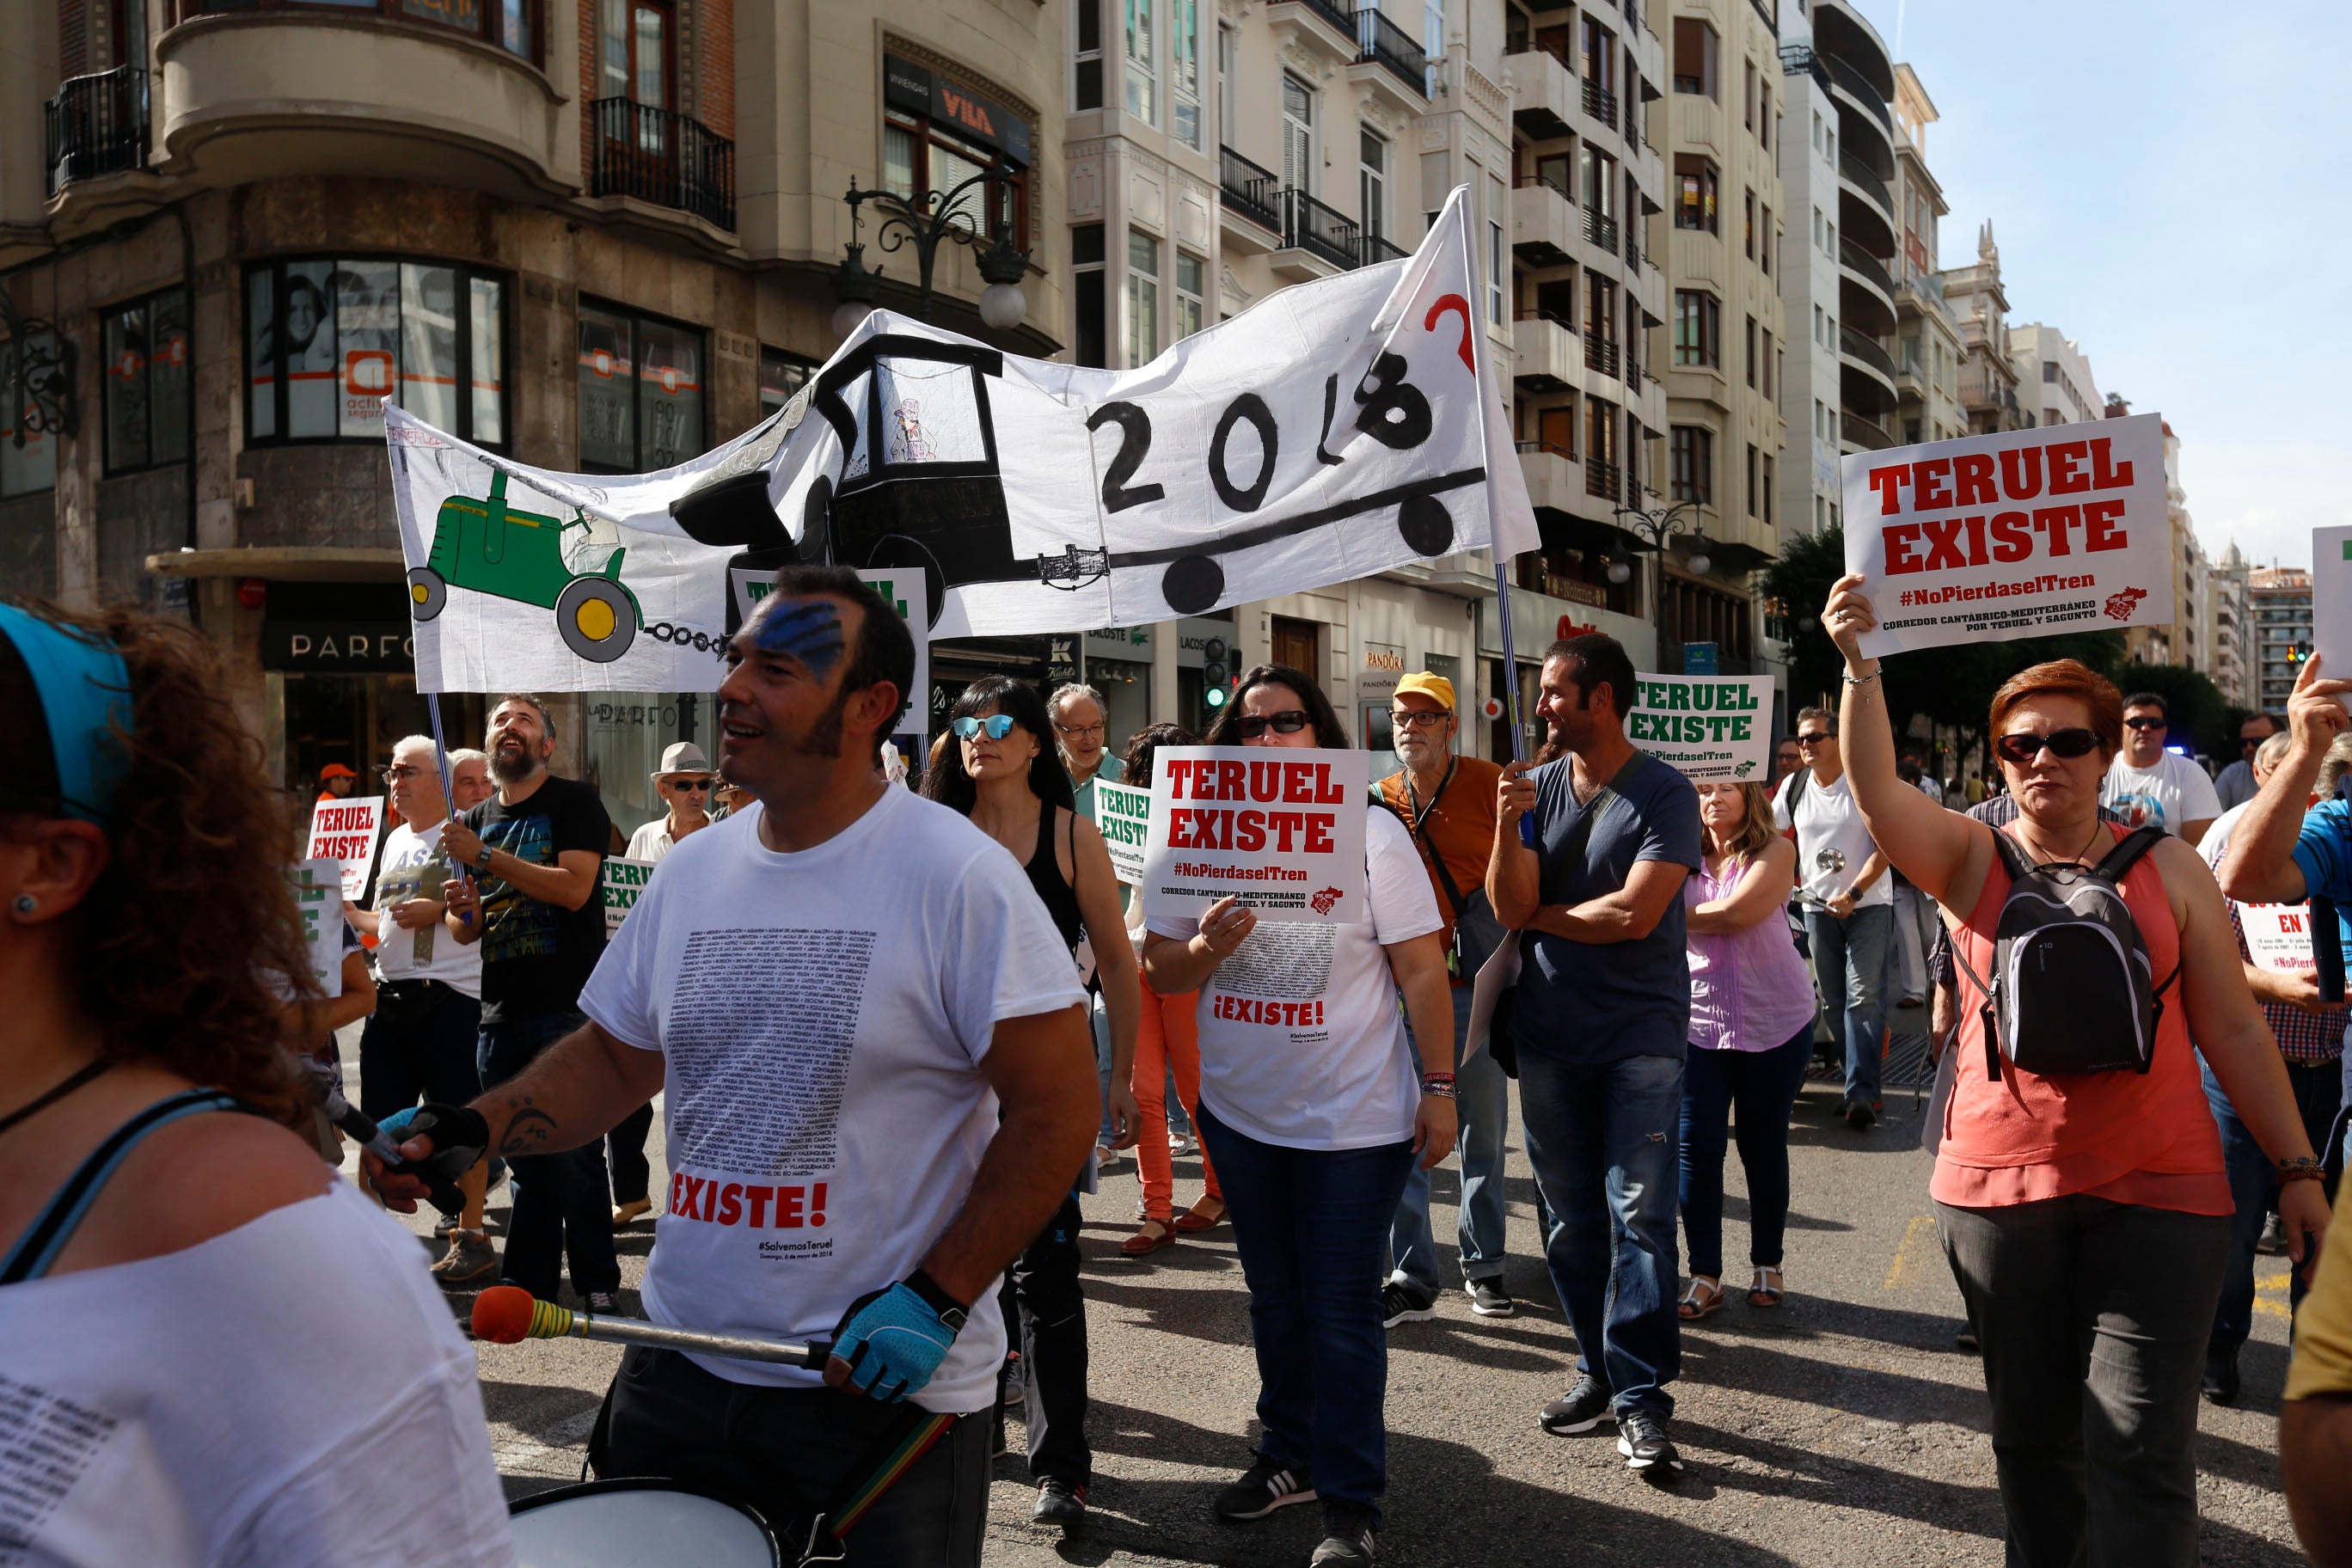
[(196, 1179), (1780, 853)]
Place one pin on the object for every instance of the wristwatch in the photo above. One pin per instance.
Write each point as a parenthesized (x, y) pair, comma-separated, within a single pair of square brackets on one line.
[(950, 1310), (482, 859)]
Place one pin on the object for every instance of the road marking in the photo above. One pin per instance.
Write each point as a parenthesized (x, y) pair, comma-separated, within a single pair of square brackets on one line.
[(2276, 1286), (1921, 1226)]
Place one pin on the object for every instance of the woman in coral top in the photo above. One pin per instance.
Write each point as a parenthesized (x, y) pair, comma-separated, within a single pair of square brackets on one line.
[(2085, 1215)]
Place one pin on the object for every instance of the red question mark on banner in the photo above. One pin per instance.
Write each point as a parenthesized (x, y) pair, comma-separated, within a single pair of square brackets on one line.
[(1458, 305)]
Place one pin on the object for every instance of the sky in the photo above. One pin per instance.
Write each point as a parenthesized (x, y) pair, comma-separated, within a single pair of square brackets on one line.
[(2166, 184)]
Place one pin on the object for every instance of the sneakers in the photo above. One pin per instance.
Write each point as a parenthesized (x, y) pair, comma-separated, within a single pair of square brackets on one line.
[(1405, 1304), (604, 1303), (1179, 1145), (2274, 1237), (1347, 1537), (1265, 1486), (1860, 1116), (1580, 1409), (1059, 1502), (2221, 1386), (1642, 1439), (1010, 1384), (1488, 1299), (471, 1258), (634, 1209)]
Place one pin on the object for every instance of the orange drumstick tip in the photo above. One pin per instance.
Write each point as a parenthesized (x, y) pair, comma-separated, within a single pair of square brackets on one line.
[(502, 1314)]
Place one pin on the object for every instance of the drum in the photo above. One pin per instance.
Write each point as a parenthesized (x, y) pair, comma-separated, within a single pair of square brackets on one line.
[(640, 1523)]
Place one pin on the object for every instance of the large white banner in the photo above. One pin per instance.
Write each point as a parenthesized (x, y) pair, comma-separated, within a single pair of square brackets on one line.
[(1713, 729), (1333, 430), (2331, 601), (1279, 828), (2063, 528)]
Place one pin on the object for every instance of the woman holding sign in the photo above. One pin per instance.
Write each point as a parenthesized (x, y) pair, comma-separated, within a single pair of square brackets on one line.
[(2079, 1186), (1310, 1107), (1000, 769), (1751, 1030)]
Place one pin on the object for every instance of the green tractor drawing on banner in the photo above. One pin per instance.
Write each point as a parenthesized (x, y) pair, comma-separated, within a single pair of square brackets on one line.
[(571, 568)]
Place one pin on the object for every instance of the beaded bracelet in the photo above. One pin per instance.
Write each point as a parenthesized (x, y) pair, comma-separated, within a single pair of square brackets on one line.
[(2301, 1168), (1440, 1084)]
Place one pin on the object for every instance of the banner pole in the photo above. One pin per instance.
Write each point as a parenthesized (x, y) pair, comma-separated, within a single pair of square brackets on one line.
[(448, 795)]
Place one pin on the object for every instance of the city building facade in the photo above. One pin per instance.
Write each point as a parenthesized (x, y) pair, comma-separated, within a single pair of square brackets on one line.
[(2278, 599), (2228, 629), (2188, 637), (2068, 393), (603, 241), (1989, 378), (1927, 352)]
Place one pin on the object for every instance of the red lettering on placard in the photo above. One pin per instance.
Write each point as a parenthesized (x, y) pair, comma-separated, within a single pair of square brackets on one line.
[(1943, 544), (1266, 781), (2020, 473), (1233, 781), (1285, 825), (1889, 482), (1318, 833), (2013, 536), (2099, 530), (1296, 787), (1930, 485), (1901, 554), (2054, 520), (2106, 475), (1972, 480), (1180, 773), (1249, 830), (2067, 460)]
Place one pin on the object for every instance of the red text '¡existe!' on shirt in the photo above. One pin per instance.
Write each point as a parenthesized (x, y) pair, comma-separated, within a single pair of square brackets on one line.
[(759, 1205)]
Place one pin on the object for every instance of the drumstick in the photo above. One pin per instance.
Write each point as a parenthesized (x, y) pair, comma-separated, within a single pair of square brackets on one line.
[(508, 1314)]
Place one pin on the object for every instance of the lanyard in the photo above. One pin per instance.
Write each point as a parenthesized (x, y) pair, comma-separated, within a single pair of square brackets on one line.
[(1420, 813)]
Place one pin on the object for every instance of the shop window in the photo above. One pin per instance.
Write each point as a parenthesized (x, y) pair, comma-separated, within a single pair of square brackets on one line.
[(33, 466), (327, 341), (513, 25), (147, 382), (936, 134), (641, 395), (781, 375)]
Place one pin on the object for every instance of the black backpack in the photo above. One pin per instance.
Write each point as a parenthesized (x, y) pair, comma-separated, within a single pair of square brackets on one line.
[(2072, 987)]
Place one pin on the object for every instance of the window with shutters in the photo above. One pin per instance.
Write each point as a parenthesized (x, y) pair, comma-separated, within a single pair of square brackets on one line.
[(1297, 135)]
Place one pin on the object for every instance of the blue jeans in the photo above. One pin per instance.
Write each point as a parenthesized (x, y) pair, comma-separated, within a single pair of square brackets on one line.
[(1856, 951), (1310, 1225), (1605, 1141), (562, 1203), (2253, 1186), (1101, 1016), (1763, 1085), (1483, 1104)]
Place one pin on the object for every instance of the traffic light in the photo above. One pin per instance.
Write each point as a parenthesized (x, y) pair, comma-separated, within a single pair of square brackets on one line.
[(1217, 672)]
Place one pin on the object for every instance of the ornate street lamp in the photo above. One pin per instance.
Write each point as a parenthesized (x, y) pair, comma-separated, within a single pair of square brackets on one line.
[(926, 221), (1659, 527)]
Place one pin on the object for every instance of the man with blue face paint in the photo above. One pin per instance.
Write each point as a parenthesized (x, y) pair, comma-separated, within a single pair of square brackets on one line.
[(835, 988)]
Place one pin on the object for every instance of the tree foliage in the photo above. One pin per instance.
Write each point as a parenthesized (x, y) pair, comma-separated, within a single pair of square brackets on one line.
[(2200, 718), (1953, 686)]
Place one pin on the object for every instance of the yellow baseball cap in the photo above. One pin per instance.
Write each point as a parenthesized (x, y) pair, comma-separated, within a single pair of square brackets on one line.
[(1435, 687)]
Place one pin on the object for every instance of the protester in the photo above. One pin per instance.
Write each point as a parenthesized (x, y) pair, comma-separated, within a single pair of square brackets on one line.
[(684, 783), (1850, 913), (1004, 775), (1915, 911), (1314, 1129), (2236, 784), (1167, 1047), (1602, 1014), (1079, 731), (537, 847), (1447, 803), (893, 946), (2310, 1035), (421, 1040), (1751, 1032), (1788, 756), (2316, 1421), (181, 1286), (2148, 786), (2084, 1206), (336, 782)]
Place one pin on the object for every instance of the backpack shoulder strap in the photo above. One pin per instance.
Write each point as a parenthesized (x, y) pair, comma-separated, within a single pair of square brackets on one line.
[(2118, 861), (2014, 858)]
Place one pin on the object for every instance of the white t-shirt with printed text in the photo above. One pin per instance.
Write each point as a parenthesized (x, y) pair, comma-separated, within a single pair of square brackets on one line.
[(1301, 1042), (821, 1016), (1832, 841), (414, 866), (2174, 792)]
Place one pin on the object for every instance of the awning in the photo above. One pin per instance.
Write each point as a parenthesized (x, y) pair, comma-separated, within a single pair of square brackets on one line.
[(311, 563)]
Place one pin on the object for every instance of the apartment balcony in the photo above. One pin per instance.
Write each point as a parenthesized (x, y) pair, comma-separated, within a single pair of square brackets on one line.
[(1253, 194), (1379, 249), (1317, 240), (96, 125), (1544, 353), (1600, 103), (1602, 353), (1544, 222), (1865, 290), (1867, 373), (1856, 431), (1865, 207), (1325, 28), (1389, 62), (1555, 478), (657, 156), (1852, 172), (1848, 85), (1600, 231), (1605, 481), (1911, 378), (1547, 98), (253, 91)]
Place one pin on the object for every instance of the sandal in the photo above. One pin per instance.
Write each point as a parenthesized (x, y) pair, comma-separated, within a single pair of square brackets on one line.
[(1198, 1218), (1704, 1296), (1155, 1235), (1761, 1295)]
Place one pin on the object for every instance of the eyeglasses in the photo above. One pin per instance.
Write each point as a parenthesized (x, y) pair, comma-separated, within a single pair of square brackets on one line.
[(998, 726), (1817, 740), (693, 784), (395, 774), (2023, 747), (1419, 719), (2144, 722), (1076, 729), (1288, 723)]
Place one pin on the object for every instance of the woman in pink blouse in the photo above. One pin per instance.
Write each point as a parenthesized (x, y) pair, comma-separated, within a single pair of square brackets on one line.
[(1751, 1030)]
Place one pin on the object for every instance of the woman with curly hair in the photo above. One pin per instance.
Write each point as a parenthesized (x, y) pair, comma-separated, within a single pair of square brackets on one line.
[(181, 1281)]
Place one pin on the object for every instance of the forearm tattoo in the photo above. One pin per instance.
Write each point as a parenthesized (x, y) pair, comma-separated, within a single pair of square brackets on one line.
[(529, 1130)]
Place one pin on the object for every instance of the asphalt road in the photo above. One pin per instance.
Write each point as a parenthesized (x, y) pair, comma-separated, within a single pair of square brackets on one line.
[(1844, 1430)]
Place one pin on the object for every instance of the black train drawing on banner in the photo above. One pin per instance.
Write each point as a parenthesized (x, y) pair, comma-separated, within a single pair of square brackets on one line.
[(917, 485)]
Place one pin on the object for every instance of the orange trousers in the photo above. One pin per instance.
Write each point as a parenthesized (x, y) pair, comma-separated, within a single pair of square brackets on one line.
[(1167, 1036)]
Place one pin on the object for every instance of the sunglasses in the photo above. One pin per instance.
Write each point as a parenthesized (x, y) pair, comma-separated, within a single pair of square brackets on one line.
[(2144, 722), (997, 725), (692, 784), (1817, 740), (2023, 747), (1288, 723)]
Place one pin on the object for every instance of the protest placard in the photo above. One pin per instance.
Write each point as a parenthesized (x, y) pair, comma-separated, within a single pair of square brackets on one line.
[(345, 832), (1124, 814), (1278, 828), (317, 885), (2278, 935), (2331, 601), (621, 883), (2062, 529), (1713, 729)]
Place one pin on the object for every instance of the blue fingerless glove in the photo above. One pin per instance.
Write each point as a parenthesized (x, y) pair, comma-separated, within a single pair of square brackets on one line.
[(894, 1341)]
